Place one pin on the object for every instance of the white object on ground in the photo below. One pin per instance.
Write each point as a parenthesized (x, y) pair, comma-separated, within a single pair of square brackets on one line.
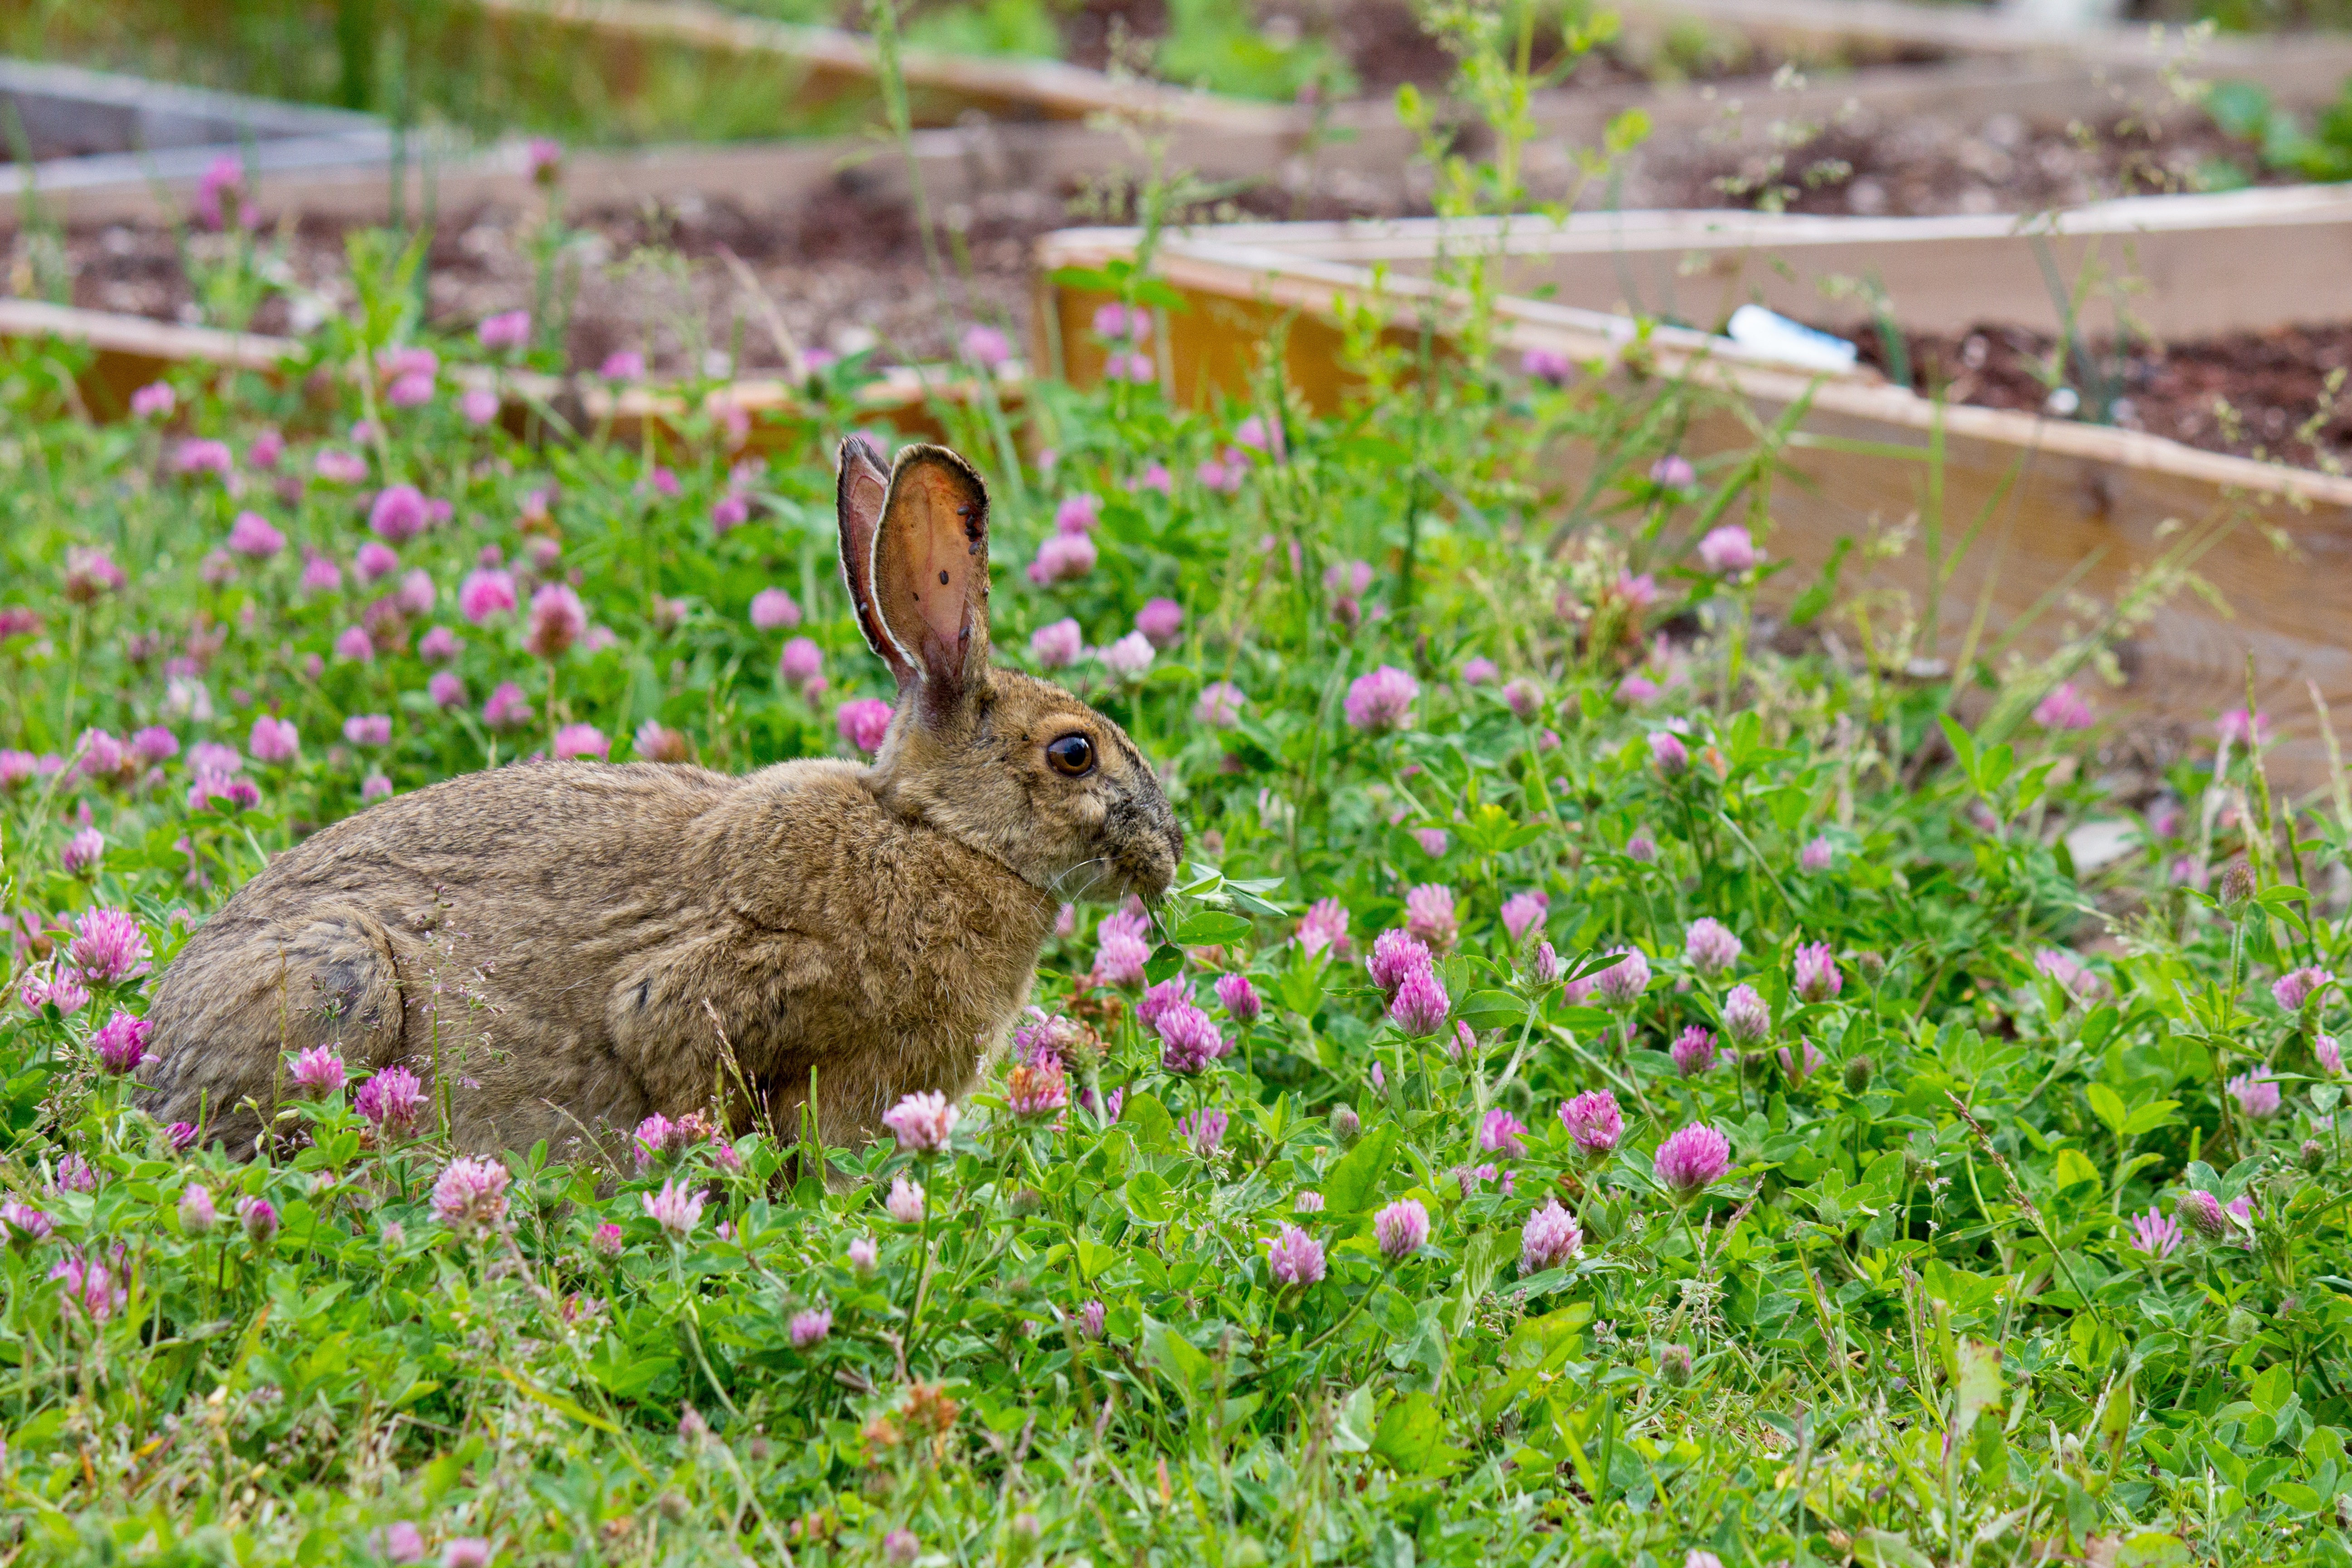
[(2101, 842), (1768, 335)]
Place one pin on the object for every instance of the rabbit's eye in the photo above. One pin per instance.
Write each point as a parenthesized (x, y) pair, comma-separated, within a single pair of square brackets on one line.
[(1073, 756)]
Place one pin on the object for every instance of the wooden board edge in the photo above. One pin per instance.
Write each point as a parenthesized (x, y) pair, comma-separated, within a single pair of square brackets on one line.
[(129, 348), (1322, 289), (1054, 89)]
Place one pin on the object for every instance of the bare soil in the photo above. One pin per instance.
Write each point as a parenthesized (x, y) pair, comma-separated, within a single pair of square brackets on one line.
[(841, 273), (2255, 394), (1384, 44), (1869, 166)]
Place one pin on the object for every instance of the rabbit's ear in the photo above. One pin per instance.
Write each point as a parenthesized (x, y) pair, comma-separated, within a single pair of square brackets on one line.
[(858, 499), (930, 574)]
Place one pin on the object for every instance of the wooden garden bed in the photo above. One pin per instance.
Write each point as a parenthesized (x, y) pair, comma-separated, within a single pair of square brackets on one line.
[(2065, 507), (2169, 266), (89, 129), (827, 60), (999, 125), (2292, 64), (125, 353)]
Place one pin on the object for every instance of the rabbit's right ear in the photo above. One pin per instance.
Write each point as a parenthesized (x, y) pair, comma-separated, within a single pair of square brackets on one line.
[(863, 491), (930, 576)]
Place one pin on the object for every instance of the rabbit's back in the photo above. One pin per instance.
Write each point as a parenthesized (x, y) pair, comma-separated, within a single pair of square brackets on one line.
[(559, 946), (448, 918), (501, 842)]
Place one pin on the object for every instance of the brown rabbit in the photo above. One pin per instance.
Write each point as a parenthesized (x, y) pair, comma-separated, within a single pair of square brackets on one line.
[(879, 926)]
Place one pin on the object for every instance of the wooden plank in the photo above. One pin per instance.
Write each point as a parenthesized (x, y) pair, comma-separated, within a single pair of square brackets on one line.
[(906, 398), (1221, 269), (2051, 513), (125, 114), (955, 164), (2056, 496), (832, 57), (2173, 267), (2294, 61), (129, 352)]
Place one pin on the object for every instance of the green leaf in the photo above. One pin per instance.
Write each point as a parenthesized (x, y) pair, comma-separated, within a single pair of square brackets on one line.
[(1979, 1381), (1301, 989), (2272, 1388), (625, 1379), (1885, 1549), (1147, 1121), (1411, 1437), (1165, 962), (1486, 829), (1000, 1416), (1997, 765), (1161, 294), (1427, 1346), (1482, 1260), (2108, 1107), (1881, 1180), (2148, 1118), (1245, 899), (1351, 1433), (1822, 593), (2242, 109), (1094, 1258), (1963, 745), (2295, 1495), (2074, 1168), (1992, 1447), (1174, 1357), (1146, 1198), (2153, 1549), (1626, 132), (1211, 927), (1491, 1010), (1351, 1185)]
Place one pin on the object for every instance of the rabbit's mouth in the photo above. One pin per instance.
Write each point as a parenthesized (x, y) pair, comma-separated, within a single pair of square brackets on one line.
[(1147, 862)]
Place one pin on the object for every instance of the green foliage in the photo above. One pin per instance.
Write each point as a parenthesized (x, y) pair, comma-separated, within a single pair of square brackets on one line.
[(1221, 47), (2029, 1238), (2320, 153), (992, 27), (1082, 1346)]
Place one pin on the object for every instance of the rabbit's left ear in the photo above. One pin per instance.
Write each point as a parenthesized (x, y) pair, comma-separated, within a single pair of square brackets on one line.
[(931, 575), (863, 491)]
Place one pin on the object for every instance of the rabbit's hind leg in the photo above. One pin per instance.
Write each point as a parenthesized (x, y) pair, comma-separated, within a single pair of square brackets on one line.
[(245, 995)]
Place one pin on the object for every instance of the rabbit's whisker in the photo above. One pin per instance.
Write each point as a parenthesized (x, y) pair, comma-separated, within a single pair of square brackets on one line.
[(1093, 880)]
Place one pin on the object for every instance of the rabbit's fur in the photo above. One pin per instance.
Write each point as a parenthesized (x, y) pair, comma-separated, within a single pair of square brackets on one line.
[(552, 933)]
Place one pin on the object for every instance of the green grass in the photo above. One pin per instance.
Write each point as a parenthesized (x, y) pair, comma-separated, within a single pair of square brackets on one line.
[(1957, 1073)]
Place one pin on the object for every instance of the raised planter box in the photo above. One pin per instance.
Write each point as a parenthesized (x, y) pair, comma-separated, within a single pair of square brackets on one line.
[(2184, 260), (1039, 125), (89, 130), (125, 353), (2063, 507), (2291, 64), (827, 60)]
